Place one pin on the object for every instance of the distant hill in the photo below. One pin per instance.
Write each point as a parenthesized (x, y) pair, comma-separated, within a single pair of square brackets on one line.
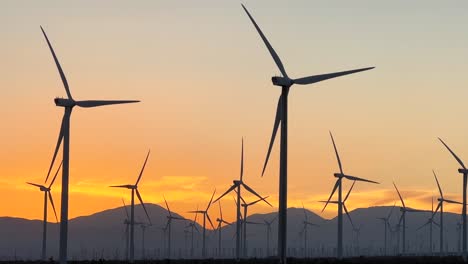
[(103, 234)]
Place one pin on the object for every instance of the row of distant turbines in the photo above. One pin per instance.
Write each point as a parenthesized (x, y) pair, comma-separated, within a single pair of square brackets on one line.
[(281, 119)]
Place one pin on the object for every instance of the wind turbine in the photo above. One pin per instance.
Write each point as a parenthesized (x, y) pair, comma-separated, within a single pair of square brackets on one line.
[(440, 206), (246, 206), (220, 221), (268, 229), (68, 104), (306, 223), (246, 222), (357, 231), (193, 226), (170, 217), (164, 234), (127, 227), (340, 202), (403, 210), (47, 196), (143, 227), (237, 188), (134, 189), (386, 224), (285, 82), (463, 171), (429, 222), (205, 216)]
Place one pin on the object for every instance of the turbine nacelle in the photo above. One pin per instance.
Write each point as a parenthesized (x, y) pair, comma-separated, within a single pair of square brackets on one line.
[(464, 171), (64, 102), (282, 81)]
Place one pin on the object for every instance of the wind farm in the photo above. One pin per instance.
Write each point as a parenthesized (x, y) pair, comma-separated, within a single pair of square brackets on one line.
[(197, 73)]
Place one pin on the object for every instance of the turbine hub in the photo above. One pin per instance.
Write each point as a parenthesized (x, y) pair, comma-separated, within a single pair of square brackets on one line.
[(63, 102), (281, 81), (338, 175)]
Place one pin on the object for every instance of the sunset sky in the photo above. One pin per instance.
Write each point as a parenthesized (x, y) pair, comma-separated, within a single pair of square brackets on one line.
[(203, 76)]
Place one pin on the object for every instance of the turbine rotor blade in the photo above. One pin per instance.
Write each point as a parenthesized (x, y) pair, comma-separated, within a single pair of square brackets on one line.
[(273, 134), (143, 168), (333, 191), (96, 103), (323, 77), (268, 45), (423, 225), (353, 178), (53, 206), (209, 220), (391, 211), (453, 154), (451, 201), (349, 217), (438, 185), (35, 184), (57, 63), (59, 142), (349, 192), (336, 152), (401, 198), (55, 176), (143, 204), (439, 204), (121, 186), (126, 210), (167, 206), (226, 192), (255, 193), (258, 200), (211, 200)]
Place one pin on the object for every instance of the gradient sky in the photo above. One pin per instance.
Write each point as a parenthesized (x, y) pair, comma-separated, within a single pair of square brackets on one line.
[(203, 76)]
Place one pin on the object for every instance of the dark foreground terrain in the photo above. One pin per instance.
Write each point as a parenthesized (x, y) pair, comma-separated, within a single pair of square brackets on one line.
[(380, 260)]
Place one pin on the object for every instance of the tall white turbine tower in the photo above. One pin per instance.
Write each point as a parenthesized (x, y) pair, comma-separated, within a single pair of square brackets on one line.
[(285, 82), (68, 104)]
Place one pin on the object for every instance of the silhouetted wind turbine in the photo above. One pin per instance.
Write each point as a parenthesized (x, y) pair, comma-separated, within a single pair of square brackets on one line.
[(170, 217), (403, 210), (246, 206), (237, 188), (205, 216), (134, 189), (143, 227), (306, 224), (68, 104), (220, 221), (193, 226), (440, 206), (268, 232), (429, 222), (463, 171), (338, 185), (127, 232), (282, 117), (47, 196), (386, 224)]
